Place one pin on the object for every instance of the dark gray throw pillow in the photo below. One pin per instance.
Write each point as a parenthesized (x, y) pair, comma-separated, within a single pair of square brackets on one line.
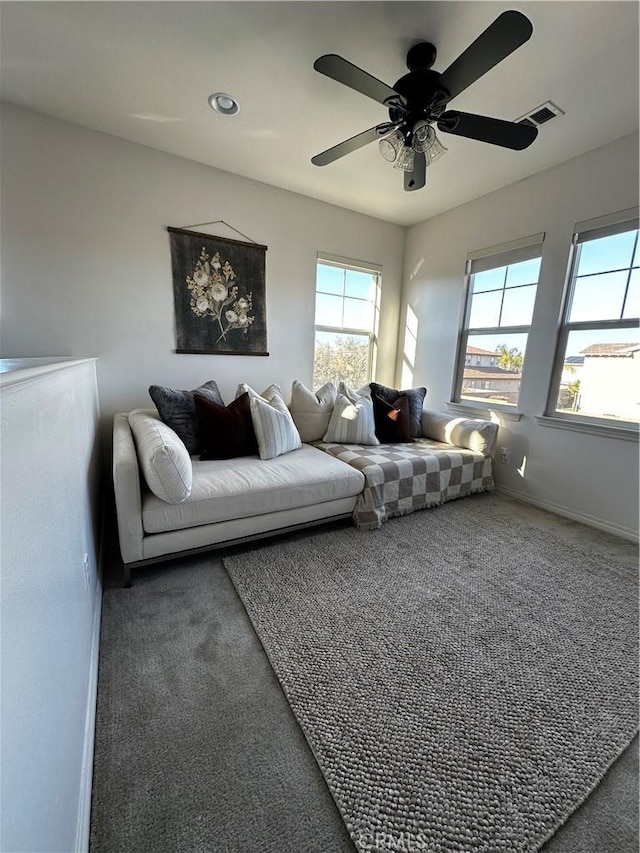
[(415, 398), (178, 410)]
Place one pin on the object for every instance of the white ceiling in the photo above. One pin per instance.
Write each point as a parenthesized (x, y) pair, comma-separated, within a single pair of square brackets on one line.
[(108, 65)]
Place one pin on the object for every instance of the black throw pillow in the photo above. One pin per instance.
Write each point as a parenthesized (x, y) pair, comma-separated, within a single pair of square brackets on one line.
[(226, 431), (415, 398), (178, 410), (392, 420)]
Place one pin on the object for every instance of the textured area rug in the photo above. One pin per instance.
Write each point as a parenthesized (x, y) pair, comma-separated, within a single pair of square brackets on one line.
[(464, 680)]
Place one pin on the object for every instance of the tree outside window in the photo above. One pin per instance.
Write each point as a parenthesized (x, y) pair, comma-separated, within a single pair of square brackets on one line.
[(347, 318)]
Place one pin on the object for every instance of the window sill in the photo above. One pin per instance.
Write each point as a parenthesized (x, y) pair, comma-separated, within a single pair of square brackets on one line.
[(478, 409), (624, 433)]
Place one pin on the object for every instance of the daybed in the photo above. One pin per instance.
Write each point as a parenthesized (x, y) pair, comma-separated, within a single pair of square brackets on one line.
[(209, 503)]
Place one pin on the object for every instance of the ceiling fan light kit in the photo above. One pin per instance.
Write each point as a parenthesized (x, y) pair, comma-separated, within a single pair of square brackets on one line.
[(390, 145), (423, 136), (435, 151), (406, 159), (419, 99)]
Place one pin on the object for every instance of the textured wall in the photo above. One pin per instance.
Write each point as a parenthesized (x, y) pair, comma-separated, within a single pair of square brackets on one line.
[(50, 604)]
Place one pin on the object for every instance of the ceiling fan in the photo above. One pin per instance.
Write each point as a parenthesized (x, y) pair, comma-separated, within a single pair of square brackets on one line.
[(419, 99)]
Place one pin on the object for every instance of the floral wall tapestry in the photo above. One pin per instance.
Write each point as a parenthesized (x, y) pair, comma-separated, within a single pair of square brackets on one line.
[(219, 294)]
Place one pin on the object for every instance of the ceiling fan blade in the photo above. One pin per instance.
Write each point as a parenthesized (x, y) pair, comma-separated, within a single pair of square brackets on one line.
[(508, 32), (352, 144), (418, 178), (350, 75), (495, 131)]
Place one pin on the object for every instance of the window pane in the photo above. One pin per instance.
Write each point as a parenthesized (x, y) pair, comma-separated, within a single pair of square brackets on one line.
[(360, 284), (328, 310), (493, 368), (526, 272), (358, 314), (485, 309), (341, 358), (601, 375), (517, 307), (632, 304), (489, 280), (607, 253), (598, 297), (330, 279)]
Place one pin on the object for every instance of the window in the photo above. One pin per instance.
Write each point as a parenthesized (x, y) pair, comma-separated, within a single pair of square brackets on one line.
[(597, 368), (501, 293), (347, 319)]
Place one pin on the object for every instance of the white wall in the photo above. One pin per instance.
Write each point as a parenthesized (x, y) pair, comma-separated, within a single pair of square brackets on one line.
[(589, 477), (49, 477), (86, 265)]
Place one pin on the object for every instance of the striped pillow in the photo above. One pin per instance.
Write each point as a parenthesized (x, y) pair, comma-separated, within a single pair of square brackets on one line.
[(269, 392), (274, 427), (352, 423)]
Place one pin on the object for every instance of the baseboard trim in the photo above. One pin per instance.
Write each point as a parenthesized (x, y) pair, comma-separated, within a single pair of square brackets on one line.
[(86, 777), (583, 518)]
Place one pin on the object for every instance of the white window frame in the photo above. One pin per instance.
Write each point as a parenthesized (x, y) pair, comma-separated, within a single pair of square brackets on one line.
[(523, 249), (593, 229), (356, 266)]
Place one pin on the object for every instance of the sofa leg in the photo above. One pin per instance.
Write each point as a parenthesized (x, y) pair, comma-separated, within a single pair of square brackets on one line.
[(126, 576)]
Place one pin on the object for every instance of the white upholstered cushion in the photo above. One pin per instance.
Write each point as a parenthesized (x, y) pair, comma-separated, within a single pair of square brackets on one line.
[(352, 423), (472, 433), (225, 489), (274, 427), (311, 411), (164, 459)]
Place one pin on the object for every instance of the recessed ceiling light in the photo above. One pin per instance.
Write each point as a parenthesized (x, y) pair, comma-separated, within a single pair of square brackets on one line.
[(223, 103)]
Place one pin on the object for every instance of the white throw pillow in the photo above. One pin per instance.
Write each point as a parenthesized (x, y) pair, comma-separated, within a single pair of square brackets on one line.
[(311, 412), (274, 427), (352, 423), (164, 459), (270, 391), (353, 395)]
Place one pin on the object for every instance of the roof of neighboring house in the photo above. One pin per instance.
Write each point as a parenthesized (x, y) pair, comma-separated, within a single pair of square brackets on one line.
[(574, 359), (479, 372), (476, 351), (611, 350)]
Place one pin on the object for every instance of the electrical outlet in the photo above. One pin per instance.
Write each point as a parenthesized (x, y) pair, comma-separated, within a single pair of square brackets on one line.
[(87, 579), (505, 455)]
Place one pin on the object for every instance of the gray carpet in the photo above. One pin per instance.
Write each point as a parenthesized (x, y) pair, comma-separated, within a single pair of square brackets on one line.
[(463, 679), (196, 746)]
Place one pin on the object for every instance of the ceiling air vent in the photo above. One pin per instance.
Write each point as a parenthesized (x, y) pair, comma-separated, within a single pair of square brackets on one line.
[(540, 115)]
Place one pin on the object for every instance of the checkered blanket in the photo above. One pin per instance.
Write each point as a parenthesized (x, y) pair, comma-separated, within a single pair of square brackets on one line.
[(401, 478)]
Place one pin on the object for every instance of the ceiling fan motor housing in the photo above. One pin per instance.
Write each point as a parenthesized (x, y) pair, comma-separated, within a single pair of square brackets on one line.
[(426, 98)]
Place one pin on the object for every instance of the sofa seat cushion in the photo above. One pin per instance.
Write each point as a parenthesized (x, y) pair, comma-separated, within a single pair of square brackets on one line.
[(224, 489)]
